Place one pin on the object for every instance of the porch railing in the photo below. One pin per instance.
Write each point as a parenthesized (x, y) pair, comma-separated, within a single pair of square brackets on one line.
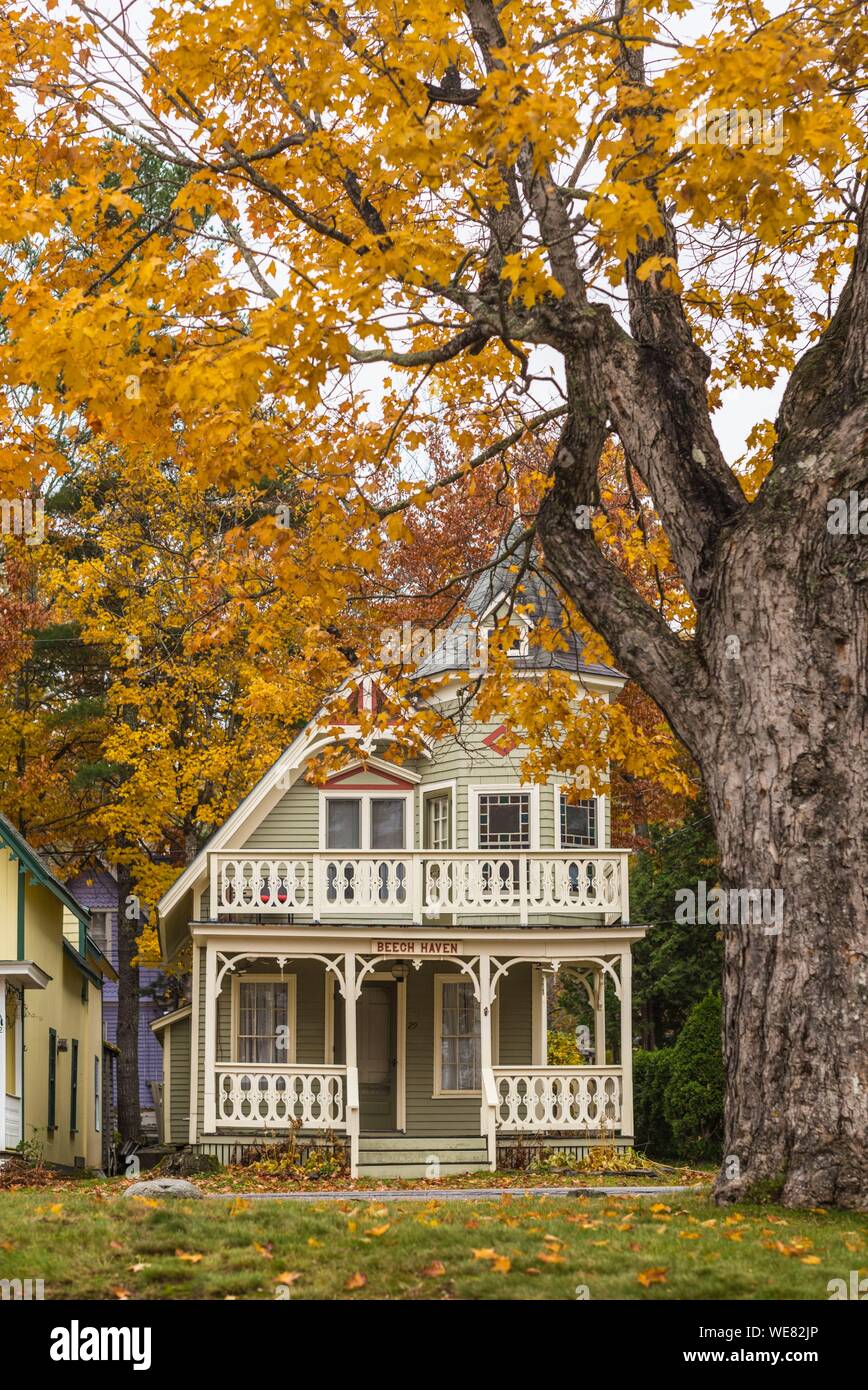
[(250, 1095), (537, 1099), (414, 885)]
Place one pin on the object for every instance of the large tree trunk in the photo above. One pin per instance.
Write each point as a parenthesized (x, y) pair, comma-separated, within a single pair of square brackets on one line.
[(775, 711), (129, 1110), (785, 759)]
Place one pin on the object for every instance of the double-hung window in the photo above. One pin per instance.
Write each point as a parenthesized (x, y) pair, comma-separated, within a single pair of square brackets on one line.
[(264, 1025), (437, 818), (369, 822), (457, 1063)]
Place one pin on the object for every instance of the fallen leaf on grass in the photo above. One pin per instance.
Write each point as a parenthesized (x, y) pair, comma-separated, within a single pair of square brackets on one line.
[(264, 1250), (811, 1259), (115, 1245), (500, 1264), (434, 1270), (356, 1281), (239, 1205), (122, 1294), (647, 1277), (377, 1230), (137, 1269), (314, 1243), (288, 1276), (552, 1258), (191, 1259)]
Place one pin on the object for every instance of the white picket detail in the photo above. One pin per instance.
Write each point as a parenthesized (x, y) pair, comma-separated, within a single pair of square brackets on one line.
[(558, 1098), (250, 1095), (263, 885), (413, 885)]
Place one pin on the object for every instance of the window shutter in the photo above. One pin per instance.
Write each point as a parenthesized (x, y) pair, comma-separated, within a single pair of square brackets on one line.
[(52, 1078), (73, 1087)]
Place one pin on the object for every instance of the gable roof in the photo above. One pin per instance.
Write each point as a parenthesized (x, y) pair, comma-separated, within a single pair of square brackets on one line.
[(39, 870)]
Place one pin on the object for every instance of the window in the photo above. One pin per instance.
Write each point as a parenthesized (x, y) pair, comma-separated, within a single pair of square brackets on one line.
[(368, 822), (73, 1086), (578, 823), (504, 820), (97, 1095), (263, 1027), (52, 1078), (101, 931), (387, 822), (457, 1029), (343, 823), (437, 828)]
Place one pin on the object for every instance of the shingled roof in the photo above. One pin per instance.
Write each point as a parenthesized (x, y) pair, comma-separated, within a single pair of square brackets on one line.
[(533, 594)]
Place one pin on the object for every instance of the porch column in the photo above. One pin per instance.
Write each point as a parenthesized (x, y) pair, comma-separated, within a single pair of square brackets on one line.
[(539, 1018), (209, 1116), (627, 1043), (3, 1066), (600, 1018), (488, 1109), (352, 1065)]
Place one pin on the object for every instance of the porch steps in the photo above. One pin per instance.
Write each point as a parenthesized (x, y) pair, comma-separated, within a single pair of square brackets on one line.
[(419, 1156)]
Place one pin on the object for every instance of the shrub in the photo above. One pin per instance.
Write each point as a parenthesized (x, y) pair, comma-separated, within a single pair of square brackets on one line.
[(651, 1077), (563, 1051), (693, 1103)]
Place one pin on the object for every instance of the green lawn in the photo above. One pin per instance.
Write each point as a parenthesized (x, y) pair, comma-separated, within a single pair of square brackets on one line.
[(91, 1245)]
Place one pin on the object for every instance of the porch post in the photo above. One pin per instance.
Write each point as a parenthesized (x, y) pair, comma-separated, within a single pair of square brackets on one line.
[(600, 1018), (627, 1043), (3, 1066), (539, 1018), (210, 1060), (488, 1110), (352, 1096)]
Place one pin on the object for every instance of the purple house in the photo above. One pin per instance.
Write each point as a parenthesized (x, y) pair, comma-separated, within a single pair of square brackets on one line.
[(96, 889)]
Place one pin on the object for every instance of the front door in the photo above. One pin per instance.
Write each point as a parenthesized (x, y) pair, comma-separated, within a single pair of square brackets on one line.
[(376, 1030)]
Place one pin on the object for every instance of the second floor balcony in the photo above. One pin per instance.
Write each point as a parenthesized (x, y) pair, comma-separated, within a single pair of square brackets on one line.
[(419, 886)]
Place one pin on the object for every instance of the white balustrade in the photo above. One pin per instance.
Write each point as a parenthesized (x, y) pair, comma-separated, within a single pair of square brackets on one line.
[(263, 885), (557, 1098), (416, 884), (251, 1095)]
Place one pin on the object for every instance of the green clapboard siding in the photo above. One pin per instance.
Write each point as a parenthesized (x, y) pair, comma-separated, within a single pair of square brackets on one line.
[(179, 1081)]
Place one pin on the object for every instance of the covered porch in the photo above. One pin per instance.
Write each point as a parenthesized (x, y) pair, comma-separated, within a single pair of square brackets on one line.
[(430, 1044), (16, 976)]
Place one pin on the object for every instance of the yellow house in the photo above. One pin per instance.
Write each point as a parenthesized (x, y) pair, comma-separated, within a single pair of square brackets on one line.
[(51, 1033)]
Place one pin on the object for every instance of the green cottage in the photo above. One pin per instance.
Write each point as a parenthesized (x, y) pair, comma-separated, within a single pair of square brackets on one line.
[(371, 956)]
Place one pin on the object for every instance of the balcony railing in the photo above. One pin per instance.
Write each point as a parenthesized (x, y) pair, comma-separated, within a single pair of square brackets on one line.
[(250, 1095), (538, 1099), (413, 885)]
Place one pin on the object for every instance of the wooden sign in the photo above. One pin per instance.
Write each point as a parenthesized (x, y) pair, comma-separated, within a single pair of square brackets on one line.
[(417, 948)]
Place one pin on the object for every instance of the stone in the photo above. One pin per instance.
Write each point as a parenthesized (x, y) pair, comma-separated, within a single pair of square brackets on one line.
[(163, 1187)]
